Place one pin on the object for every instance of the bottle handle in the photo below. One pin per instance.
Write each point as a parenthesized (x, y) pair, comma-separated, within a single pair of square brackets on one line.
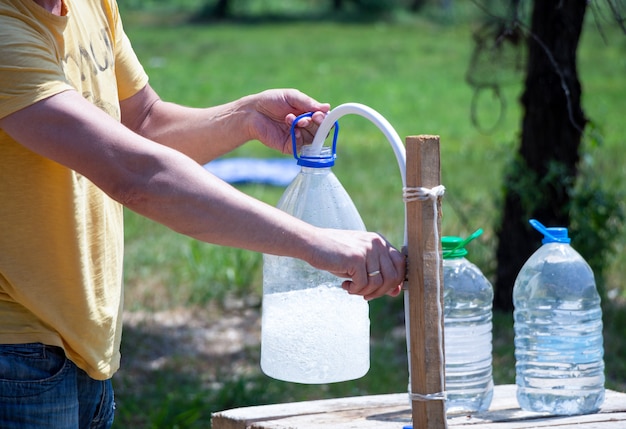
[(314, 160)]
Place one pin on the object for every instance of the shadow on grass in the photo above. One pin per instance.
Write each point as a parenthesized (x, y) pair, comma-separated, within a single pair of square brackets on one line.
[(177, 370), (180, 366), (171, 378)]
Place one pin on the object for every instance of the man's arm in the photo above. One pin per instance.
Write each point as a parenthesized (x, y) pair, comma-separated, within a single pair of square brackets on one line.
[(207, 133), (173, 189)]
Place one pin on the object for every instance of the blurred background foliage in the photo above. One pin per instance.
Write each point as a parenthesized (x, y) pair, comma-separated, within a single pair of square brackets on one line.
[(414, 62)]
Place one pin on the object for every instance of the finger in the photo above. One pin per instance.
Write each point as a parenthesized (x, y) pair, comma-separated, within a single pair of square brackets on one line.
[(376, 287), (301, 102), (392, 292), (395, 291), (374, 293), (372, 274), (375, 278), (373, 285), (350, 287), (304, 131), (304, 122), (308, 133), (357, 283), (318, 117), (307, 104), (290, 118), (391, 275)]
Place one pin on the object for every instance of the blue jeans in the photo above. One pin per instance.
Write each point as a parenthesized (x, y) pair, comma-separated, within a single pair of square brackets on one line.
[(40, 388)]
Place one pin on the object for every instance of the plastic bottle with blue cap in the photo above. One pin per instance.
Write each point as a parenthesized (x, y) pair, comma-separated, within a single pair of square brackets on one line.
[(558, 330), (468, 301), (312, 330)]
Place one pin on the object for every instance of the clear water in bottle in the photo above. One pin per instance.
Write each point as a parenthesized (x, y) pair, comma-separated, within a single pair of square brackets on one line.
[(312, 330), (468, 298), (558, 330), (315, 335)]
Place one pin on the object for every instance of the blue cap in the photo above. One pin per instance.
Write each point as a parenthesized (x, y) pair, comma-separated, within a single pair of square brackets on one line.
[(554, 234)]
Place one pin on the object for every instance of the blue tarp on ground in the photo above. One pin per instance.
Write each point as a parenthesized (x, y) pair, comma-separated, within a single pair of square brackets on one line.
[(268, 171)]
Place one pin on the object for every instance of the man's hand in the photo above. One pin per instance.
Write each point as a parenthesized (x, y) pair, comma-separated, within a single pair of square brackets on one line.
[(373, 266), (275, 112)]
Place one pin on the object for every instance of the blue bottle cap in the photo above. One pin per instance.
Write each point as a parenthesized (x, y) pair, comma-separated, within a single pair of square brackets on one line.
[(552, 234)]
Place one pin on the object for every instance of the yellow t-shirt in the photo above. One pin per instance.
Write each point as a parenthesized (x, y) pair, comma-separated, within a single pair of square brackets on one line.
[(61, 237)]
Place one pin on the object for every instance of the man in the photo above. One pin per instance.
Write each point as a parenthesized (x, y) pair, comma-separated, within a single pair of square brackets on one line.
[(82, 134)]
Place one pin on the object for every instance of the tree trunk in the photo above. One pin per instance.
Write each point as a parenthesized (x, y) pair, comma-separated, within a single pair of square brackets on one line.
[(417, 5), (551, 135), (221, 9)]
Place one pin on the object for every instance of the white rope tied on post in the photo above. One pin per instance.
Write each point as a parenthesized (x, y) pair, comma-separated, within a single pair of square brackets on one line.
[(422, 194), (441, 396), (433, 194)]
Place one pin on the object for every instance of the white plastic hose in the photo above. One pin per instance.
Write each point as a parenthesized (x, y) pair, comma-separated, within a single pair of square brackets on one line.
[(379, 121), (373, 116), (398, 148)]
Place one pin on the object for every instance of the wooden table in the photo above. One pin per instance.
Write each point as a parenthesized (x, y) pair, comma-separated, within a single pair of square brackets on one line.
[(394, 411)]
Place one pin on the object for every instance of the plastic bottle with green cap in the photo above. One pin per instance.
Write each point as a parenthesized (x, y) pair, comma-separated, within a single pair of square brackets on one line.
[(558, 330), (468, 300)]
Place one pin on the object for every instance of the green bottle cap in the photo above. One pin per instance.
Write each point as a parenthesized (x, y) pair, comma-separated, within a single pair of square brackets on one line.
[(453, 247)]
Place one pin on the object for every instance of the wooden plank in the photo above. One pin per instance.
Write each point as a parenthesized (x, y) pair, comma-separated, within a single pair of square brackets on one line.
[(394, 411), (589, 421), (425, 324), (505, 413), (242, 418)]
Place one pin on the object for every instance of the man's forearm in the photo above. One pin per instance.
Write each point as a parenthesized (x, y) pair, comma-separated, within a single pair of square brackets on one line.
[(202, 134)]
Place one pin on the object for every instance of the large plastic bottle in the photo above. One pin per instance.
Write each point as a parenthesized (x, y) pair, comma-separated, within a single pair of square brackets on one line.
[(468, 300), (312, 330), (558, 330)]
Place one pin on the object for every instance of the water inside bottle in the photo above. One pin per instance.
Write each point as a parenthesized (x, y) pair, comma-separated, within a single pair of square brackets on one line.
[(315, 335), (468, 299), (558, 337)]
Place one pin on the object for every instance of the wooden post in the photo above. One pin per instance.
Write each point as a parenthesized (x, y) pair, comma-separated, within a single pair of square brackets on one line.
[(424, 254)]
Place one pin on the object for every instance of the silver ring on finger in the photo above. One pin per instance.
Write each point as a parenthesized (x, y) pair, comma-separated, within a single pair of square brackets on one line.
[(373, 273)]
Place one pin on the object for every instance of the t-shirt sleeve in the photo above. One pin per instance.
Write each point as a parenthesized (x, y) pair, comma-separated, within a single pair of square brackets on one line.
[(130, 74), (32, 56), (30, 65)]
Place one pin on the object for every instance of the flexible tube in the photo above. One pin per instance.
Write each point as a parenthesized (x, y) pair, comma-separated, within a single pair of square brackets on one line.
[(378, 120), (368, 113), (400, 152)]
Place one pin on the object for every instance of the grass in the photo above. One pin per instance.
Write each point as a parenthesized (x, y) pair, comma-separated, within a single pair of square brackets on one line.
[(412, 72)]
